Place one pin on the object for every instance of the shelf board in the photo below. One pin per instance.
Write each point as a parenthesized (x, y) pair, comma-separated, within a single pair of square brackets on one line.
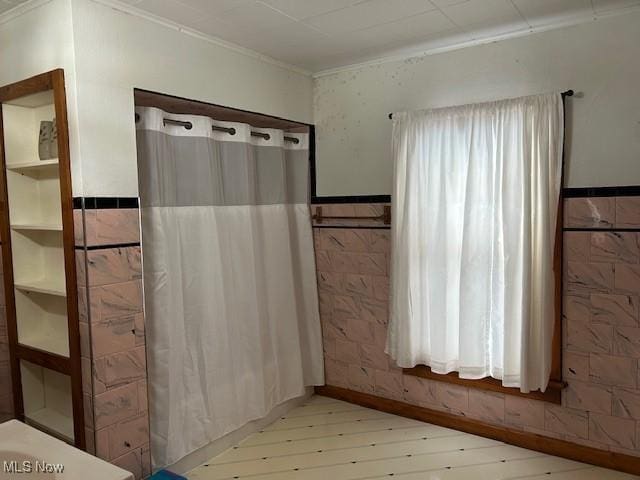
[(42, 286), (37, 227), (52, 421), (56, 342), (33, 166)]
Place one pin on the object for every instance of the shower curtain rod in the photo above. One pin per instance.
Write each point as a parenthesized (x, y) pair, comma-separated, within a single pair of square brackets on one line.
[(229, 130), (568, 93)]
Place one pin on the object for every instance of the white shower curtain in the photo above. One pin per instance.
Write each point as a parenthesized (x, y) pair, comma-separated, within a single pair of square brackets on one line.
[(230, 289), (474, 219)]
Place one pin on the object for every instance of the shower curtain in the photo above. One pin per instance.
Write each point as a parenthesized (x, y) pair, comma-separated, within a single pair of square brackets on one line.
[(229, 276)]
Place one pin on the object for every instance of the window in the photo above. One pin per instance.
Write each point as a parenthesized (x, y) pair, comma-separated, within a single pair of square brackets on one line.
[(475, 264)]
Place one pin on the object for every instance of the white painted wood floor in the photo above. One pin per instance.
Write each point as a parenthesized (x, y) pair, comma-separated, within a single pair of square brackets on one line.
[(326, 439)]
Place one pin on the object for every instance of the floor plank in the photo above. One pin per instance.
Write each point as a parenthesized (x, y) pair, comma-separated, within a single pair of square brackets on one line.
[(327, 439)]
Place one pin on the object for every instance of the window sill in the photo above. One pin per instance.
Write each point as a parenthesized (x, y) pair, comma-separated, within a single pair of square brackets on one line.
[(552, 394)]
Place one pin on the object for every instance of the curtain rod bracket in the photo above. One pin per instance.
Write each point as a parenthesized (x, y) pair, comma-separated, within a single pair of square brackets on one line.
[(567, 93)]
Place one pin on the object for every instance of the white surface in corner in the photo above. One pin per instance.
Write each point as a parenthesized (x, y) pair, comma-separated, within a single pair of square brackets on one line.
[(21, 442)]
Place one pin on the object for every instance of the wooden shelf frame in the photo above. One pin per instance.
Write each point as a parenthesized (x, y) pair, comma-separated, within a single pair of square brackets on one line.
[(49, 81)]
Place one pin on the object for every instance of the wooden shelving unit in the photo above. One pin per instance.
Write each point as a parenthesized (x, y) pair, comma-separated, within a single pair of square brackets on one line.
[(39, 262)]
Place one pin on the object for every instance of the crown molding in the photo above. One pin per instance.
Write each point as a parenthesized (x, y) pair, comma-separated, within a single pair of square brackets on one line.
[(416, 51), (20, 10), (132, 10)]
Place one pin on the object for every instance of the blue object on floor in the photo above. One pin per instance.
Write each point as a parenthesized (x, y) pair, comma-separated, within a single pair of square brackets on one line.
[(166, 475)]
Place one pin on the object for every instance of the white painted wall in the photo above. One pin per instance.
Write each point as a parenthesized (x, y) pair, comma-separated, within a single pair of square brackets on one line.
[(117, 52), (601, 59), (37, 39)]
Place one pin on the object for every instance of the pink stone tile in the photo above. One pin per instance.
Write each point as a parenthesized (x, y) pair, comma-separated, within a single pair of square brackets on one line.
[(143, 402), (329, 348), (612, 430), (102, 443), (78, 228), (589, 337), (379, 240), (576, 246), (626, 403), (113, 335), (368, 209), (452, 397), (575, 366), (117, 225), (331, 282), (131, 462), (419, 391), (115, 405), (612, 370), (614, 247), (380, 335), (323, 264), (576, 308), (364, 263), (89, 226), (128, 435), (628, 212), (114, 265), (81, 267), (614, 309), (389, 384), (596, 212), (139, 328), (486, 406), (333, 331), (146, 460), (85, 339), (347, 352), (121, 368), (116, 300), (361, 379), (359, 285), (339, 210), (83, 309), (343, 240), (336, 373), (566, 421), (360, 331), (85, 366), (626, 341), (374, 311), (373, 356), (586, 278), (588, 396), (627, 279), (523, 411), (325, 302), (381, 287), (345, 306)]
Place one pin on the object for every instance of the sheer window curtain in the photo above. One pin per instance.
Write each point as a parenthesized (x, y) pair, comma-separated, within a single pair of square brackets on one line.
[(475, 201), (231, 303)]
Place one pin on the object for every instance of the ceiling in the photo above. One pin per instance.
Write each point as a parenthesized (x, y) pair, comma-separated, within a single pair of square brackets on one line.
[(322, 34), (316, 35)]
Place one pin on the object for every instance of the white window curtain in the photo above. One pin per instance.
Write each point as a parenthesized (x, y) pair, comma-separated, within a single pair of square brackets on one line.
[(475, 203)]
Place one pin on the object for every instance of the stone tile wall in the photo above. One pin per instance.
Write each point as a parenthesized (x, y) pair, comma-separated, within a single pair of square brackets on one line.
[(601, 346), (109, 268)]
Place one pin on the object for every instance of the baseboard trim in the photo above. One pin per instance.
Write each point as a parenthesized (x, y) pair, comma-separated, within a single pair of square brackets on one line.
[(532, 441)]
